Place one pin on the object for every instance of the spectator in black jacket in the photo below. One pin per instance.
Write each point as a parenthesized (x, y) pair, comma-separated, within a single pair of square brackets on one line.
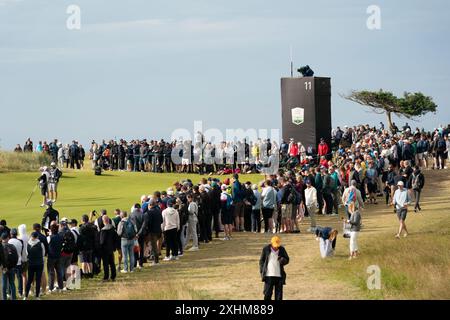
[(154, 228), (88, 234), (36, 253), (54, 264), (49, 216), (108, 241), (271, 267), (43, 239), (5, 228), (204, 210)]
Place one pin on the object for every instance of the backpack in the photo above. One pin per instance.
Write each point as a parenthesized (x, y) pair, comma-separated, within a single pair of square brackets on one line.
[(11, 255), (128, 230), (184, 214), (251, 197), (291, 195), (441, 145), (225, 200), (68, 245)]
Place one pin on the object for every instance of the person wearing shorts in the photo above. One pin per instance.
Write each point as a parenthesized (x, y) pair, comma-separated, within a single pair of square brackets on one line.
[(401, 201), (238, 202)]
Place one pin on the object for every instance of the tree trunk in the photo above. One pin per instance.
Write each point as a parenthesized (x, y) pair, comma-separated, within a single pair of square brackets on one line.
[(389, 119)]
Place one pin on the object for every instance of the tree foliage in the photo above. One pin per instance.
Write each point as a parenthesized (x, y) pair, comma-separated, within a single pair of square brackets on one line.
[(410, 105)]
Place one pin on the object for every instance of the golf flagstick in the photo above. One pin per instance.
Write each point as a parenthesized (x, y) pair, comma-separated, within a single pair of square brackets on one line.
[(31, 194)]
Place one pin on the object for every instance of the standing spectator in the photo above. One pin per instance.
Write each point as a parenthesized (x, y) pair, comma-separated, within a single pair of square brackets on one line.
[(127, 230), (192, 223), (238, 203), (107, 247), (11, 258), (323, 149), (54, 265), (88, 236), (36, 254), (256, 211), (311, 204), (170, 226), (271, 267), (269, 201), (154, 228), (138, 219), (50, 215), (355, 228), (22, 253), (226, 210), (418, 182), (23, 237)]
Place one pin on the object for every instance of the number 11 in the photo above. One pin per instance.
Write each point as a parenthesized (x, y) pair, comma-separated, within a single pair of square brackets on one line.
[(308, 85)]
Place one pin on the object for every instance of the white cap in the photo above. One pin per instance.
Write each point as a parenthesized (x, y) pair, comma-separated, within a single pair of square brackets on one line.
[(400, 183), (53, 164), (170, 192)]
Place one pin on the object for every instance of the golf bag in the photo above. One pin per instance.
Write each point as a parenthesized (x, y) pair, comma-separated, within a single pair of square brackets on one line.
[(98, 170)]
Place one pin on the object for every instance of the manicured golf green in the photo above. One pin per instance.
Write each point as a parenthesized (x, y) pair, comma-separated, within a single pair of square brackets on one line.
[(79, 192)]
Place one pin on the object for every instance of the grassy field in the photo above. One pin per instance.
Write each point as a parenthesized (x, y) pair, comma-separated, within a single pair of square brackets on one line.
[(417, 267)]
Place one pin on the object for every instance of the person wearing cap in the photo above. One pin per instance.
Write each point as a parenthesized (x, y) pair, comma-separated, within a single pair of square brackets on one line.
[(49, 216), (401, 200), (43, 184), (53, 179), (271, 267), (170, 226), (35, 256), (8, 267), (226, 211)]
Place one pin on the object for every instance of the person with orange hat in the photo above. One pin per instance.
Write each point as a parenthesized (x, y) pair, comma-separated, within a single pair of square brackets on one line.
[(271, 266)]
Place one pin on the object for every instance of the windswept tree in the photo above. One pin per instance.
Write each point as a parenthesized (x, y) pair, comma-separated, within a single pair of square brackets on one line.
[(411, 105)]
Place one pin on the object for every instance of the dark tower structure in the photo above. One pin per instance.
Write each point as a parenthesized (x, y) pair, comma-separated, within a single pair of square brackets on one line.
[(306, 110)]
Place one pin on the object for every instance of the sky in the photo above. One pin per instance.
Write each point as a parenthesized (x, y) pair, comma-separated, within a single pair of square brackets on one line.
[(143, 68)]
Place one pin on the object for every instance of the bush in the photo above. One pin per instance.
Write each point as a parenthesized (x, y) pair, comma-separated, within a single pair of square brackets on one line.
[(23, 161)]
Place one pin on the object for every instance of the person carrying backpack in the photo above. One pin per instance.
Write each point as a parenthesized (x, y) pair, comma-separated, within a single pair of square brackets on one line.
[(11, 257), (127, 231), (139, 220), (69, 247), (36, 254)]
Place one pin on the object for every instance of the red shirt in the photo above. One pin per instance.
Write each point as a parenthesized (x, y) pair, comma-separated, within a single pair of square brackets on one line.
[(323, 149)]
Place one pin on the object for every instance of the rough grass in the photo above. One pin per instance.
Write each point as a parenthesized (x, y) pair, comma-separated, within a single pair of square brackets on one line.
[(23, 161)]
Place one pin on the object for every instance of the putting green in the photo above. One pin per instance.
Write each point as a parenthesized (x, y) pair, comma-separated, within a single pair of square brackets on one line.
[(82, 191)]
